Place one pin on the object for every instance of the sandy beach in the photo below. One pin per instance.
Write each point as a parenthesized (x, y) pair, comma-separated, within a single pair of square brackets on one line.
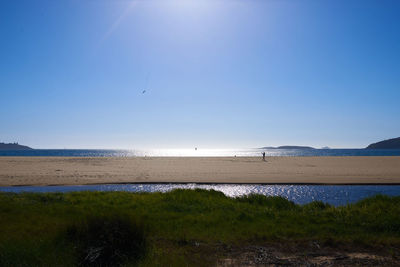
[(16, 171)]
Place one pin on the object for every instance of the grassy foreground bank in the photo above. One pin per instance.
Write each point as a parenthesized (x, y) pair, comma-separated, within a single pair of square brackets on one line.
[(182, 227)]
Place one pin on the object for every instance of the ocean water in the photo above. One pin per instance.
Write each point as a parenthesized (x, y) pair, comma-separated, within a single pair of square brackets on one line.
[(255, 152), (336, 195)]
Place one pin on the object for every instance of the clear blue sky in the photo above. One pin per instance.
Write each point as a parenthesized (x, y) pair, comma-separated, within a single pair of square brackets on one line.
[(222, 74)]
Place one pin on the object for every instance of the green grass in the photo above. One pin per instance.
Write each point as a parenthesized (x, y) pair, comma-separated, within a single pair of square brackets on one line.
[(159, 229)]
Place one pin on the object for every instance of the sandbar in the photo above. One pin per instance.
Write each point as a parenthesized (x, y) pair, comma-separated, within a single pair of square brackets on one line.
[(17, 171)]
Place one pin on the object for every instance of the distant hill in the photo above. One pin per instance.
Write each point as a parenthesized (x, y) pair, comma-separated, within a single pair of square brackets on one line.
[(288, 147), (386, 144), (13, 146)]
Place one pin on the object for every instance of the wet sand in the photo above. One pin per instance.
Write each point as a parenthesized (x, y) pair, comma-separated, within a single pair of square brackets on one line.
[(288, 170)]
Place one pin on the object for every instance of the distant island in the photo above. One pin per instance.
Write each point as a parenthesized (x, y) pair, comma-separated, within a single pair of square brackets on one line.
[(393, 143), (13, 146), (288, 147)]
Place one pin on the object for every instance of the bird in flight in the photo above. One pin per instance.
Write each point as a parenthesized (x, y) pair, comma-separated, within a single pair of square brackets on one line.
[(146, 85)]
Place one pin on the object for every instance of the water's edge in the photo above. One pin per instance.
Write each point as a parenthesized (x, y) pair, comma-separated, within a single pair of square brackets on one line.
[(336, 195), (201, 183)]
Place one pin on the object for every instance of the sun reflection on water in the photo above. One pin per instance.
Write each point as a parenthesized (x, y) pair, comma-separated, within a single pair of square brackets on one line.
[(300, 194)]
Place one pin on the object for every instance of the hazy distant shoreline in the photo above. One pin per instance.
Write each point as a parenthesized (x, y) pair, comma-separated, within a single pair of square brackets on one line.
[(18, 171), (389, 144)]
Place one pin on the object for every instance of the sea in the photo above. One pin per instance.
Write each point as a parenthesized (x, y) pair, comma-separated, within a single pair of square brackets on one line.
[(336, 195), (248, 152)]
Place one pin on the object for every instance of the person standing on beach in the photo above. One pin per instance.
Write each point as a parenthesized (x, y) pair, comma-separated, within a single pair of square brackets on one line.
[(263, 154)]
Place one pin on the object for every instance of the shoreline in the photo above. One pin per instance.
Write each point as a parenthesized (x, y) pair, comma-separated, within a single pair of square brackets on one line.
[(65, 171), (201, 183)]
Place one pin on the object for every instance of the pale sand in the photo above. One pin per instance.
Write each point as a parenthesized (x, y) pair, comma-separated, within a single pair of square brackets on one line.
[(313, 170)]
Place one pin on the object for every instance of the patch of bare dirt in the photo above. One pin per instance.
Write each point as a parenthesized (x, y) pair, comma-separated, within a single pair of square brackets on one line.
[(312, 254)]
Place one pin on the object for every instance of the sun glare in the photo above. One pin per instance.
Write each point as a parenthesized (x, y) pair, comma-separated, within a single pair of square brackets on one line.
[(190, 7)]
